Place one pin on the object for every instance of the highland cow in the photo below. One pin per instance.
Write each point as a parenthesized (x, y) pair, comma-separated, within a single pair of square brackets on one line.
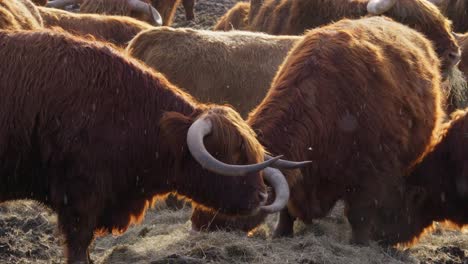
[(235, 19), (294, 17), (19, 14), (234, 67), (139, 9), (362, 99), (118, 30), (98, 144), (437, 189)]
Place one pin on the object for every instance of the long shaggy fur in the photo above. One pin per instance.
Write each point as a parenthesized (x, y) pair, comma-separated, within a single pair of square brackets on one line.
[(438, 187), (98, 144), (222, 67), (293, 17), (19, 14), (237, 18), (118, 30), (362, 99)]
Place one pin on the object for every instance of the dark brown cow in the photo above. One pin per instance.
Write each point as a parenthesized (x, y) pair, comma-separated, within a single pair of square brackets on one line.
[(437, 188), (455, 10), (118, 30), (98, 144), (139, 9), (293, 17), (19, 14), (362, 99), (235, 19)]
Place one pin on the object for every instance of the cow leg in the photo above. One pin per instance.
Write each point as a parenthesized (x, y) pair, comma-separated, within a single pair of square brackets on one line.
[(284, 227), (188, 6), (77, 224), (78, 237), (360, 213)]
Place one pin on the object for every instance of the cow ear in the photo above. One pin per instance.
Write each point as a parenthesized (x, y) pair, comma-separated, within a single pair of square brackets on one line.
[(174, 127)]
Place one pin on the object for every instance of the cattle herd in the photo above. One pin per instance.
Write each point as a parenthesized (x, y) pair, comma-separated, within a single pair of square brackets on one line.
[(105, 108)]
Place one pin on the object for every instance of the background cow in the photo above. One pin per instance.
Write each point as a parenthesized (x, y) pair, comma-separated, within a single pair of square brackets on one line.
[(235, 19), (118, 30), (293, 17), (222, 67), (19, 14), (98, 144), (333, 113)]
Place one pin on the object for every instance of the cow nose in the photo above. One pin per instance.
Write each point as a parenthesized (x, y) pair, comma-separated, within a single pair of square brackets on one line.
[(262, 197)]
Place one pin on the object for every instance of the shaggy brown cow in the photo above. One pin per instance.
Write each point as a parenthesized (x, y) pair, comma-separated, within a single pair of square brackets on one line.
[(98, 144), (139, 9), (361, 98), (293, 17), (234, 67), (19, 14), (118, 30), (235, 19), (455, 10), (437, 189)]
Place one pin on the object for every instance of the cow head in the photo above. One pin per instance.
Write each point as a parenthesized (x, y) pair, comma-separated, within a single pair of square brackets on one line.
[(427, 19), (211, 150)]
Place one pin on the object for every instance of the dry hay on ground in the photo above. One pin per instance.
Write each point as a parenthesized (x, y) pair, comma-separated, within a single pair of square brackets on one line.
[(28, 235)]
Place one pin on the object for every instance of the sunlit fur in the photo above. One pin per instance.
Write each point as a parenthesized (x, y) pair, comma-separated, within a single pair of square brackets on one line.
[(97, 144), (351, 73), (237, 18), (234, 67), (118, 30), (352, 99), (437, 188), (19, 14), (456, 11), (287, 17), (463, 42)]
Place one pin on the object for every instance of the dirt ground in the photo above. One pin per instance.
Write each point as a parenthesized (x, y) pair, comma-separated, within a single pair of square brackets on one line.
[(28, 232)]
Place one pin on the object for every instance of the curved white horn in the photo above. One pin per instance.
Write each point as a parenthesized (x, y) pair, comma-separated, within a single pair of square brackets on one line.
[(197, 131), (377, 7), (277, 180), (287, 164)]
